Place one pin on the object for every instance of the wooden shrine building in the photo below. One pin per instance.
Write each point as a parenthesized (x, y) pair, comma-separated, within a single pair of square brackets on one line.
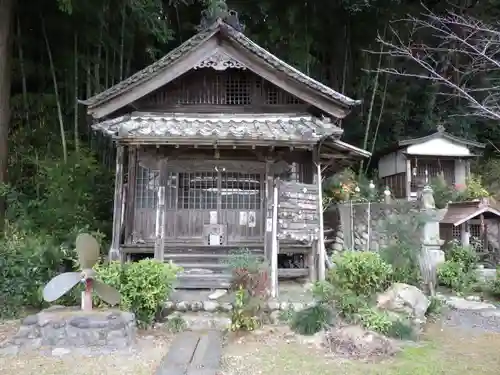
[(406, 165), (207, 138)]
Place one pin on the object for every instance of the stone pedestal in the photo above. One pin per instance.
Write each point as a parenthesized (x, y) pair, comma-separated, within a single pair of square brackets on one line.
[(73, 328)]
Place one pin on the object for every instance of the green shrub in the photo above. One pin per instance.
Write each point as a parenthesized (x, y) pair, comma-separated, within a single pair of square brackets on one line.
[(362, 273), (435, 308), (374, 320), (27, 263), (453, 275), (311, 320), (401, 330), (144, 286), (466, 256), (493, 286)]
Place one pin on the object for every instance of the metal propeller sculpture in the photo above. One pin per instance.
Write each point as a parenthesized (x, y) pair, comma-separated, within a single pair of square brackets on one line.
[(87, 249)]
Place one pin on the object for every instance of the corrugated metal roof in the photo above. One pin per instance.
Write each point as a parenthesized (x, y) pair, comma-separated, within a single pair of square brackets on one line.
[(288, 128), (191, 44)]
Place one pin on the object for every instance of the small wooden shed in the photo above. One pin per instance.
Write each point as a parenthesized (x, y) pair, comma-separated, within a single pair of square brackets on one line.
[(406, 165), (208, 138), (475, 223)]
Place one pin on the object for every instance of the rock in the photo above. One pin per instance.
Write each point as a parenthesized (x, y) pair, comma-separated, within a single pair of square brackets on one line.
[(473, 298), (297, 306), (462, 304), (59, 352), (217, 294), (317, 340), (354, 341), (338, 246), (274, 317), (9, 350), (226, 307), (169, 305), (284, 306), (273, 305), (196, 306), (181, 306), (406, 299), (210, 306)]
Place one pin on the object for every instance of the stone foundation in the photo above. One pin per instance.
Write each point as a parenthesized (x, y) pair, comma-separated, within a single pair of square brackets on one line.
[(216, 306), (72, 328)]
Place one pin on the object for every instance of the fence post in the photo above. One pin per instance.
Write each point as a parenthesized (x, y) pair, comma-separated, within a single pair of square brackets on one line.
[(431, 254)]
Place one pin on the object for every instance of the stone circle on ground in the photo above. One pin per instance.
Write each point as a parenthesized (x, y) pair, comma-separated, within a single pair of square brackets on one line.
[(66, 328)]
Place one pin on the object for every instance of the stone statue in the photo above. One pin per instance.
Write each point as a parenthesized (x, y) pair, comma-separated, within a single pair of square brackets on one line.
[(427, 199)]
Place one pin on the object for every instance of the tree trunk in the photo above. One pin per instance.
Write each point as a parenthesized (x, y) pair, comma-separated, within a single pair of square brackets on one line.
[(6, 15)]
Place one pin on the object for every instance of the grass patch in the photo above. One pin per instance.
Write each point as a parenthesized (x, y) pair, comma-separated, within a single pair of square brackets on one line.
[(444, 352)]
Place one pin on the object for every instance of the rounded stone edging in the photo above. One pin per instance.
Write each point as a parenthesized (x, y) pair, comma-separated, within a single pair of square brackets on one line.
[(215, 306)]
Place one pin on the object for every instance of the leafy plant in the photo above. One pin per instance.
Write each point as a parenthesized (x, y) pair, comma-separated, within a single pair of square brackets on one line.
[(435, 308), (474, 189), (243, 316), (458, 272), (374, 320), (493, 286), (312, 319), (175, 324), (453, 275), (401, 330), (27, 262), (442, 192), (362, 273), (403, 250), (250, 272), (143, 285)]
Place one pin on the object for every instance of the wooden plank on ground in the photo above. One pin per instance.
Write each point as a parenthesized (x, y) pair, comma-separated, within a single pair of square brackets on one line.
[(193, 353), (180, 354), (207, 355)]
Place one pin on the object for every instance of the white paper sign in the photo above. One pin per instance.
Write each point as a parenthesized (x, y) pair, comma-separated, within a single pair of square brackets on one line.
[(243, 218), (269, 224), (251, 219), (214, 240), (213, 217)]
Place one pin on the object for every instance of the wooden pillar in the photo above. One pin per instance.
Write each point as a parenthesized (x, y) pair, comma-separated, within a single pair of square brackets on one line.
[(130, 199), (465, 234), (275, 244), (321, 234), (268, 212), (408, 179), (161, 213), (114, 251)]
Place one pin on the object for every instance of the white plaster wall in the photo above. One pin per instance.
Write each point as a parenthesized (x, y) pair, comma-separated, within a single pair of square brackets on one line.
[(391, 164), (460, 171), (438, 147)]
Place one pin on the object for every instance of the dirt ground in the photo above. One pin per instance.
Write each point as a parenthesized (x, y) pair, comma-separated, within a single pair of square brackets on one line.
[(444, 351)]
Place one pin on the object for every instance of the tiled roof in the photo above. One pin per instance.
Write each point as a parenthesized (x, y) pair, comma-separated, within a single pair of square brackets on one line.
[(239, 39), (287, 128)]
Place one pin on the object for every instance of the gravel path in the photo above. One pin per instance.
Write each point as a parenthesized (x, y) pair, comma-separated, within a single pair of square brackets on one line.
[(472, 315)]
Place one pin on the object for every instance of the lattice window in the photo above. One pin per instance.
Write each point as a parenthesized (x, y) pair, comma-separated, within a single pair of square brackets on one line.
[(456, 232), (238, 89), (198, 191), (433, 168), (240, 191), (204, 190), (146, 188)]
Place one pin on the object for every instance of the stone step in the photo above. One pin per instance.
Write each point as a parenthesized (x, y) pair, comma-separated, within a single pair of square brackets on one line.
[(207, 265), (203, 280)]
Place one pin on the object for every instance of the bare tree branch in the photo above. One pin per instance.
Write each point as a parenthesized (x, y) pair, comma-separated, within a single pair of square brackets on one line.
[(460, 53)]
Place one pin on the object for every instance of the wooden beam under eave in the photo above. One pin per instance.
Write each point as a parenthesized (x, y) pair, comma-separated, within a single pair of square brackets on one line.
[(114, 251)]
